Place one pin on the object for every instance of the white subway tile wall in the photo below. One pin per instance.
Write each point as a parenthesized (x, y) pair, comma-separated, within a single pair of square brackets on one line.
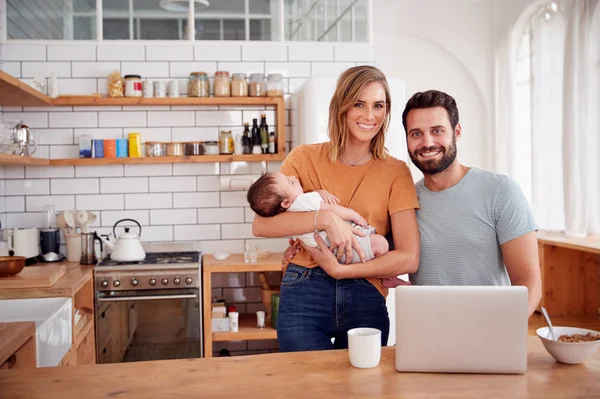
[(178, 202)]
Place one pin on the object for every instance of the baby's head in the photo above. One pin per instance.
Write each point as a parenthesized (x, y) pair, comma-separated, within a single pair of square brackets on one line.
[(273, 193)]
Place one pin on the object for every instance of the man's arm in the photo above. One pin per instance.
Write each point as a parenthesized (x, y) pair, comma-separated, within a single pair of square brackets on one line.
[(523, 266)]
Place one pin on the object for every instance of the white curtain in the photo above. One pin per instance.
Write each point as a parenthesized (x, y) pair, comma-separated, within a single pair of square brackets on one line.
[(581, 132), (547, 49)]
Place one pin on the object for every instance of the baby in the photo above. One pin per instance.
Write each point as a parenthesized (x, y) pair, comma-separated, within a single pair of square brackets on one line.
[(274, 193)]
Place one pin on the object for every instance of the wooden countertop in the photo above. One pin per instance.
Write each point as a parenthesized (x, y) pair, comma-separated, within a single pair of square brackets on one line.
[(235, 263), (324, 374), (70, 283), (587, 244), (13, 336)]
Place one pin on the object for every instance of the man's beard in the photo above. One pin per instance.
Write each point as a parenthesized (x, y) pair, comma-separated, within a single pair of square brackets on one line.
[(432, 167)]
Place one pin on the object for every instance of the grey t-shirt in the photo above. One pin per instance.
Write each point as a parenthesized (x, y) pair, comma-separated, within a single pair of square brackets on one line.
[(463, 227)]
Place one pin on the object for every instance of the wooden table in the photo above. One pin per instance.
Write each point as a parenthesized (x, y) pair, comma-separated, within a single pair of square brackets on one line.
[(325, 374), (247, 322)]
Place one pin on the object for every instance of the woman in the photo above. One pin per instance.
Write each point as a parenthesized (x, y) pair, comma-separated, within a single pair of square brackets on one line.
[(320, 298)]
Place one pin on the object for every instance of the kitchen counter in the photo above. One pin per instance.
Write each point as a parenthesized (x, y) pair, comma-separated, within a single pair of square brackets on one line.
[(75, 277), (589, 244), (13, 336), (323, 374)]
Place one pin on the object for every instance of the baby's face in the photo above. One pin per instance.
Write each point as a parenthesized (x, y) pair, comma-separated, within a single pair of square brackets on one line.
[(288, 186)]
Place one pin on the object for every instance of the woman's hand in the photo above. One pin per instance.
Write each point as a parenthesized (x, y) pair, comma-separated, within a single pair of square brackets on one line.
[(289, 253), (324, 257), (341, 236)]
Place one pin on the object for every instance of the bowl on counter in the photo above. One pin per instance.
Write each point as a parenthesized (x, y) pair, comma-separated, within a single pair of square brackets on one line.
[(569, 352), (11, 265)]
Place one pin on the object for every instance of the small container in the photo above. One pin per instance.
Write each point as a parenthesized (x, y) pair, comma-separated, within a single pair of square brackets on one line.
[(239, 85), (274, 85), (222, 84), (98, 148), (260, 319), (156, 149), (85, 146), (234, 321), (198, 85), (211, 147), (194, 148), (256, 87), (272, 143), (226, 142), (135, 145), (175, 149), (122, 148), (148, 89), (160, 90), (133, 86), (173, 88), (110, 148)]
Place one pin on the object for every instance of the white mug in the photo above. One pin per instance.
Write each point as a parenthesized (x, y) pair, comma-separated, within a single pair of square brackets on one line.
[(364, 347)]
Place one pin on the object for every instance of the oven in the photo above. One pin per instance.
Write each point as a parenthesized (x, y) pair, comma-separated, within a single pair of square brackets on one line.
[(148, 312)]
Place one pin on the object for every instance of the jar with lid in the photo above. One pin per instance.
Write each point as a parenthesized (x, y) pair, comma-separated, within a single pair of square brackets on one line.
[(256, 87), (226, 142), (133, 86), (211, 147), (274, 85), (222, 84), (239, 85), (198, 85)]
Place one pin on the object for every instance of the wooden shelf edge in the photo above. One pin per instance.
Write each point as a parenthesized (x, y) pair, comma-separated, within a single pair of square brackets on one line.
[(168, 159), (17, 93), (9, 159), (247, 331), (108, 101)]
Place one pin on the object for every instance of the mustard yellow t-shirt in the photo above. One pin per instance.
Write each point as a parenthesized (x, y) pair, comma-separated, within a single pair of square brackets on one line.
[(375, 190)]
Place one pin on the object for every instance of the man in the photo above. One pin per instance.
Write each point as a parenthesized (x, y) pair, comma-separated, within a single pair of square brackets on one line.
[(476, 226)]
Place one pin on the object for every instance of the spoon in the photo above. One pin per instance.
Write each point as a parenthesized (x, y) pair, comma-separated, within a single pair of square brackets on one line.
[(549, 323)]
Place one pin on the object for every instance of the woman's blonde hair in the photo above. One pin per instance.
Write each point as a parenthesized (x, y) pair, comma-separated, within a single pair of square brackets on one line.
[(348, 89)]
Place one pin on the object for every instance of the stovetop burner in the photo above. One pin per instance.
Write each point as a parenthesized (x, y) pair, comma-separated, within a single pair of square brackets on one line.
[(157, 258)]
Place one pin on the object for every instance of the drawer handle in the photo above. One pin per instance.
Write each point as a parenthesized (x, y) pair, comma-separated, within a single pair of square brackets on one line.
[(12, 361), (103, 315), (104, 350)]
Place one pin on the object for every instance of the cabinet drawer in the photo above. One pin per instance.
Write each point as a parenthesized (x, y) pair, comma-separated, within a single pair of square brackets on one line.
[(86, 352), (23, 358)]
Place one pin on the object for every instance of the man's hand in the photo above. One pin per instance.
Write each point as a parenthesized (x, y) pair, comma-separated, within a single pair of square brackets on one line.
[(324, 257), (328, 198), (289, 253)]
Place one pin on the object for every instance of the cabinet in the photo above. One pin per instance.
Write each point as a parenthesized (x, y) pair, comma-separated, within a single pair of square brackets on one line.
[(17, 346), (247, 322), (115, 329)]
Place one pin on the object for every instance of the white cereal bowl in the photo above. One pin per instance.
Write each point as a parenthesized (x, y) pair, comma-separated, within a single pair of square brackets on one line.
[(568, 352)]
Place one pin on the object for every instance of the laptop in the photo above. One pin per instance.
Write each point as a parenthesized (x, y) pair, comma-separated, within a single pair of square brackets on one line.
[(461, 329)]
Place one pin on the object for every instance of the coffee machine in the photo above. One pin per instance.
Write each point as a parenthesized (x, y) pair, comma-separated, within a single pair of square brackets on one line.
[(49, 237)]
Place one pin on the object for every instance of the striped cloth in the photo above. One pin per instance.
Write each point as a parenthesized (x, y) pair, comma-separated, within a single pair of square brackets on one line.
[(463, 227)]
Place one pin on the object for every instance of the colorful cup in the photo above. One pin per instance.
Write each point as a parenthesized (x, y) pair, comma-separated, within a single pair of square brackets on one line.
[(110, 148), (122, 148), (98, 148)]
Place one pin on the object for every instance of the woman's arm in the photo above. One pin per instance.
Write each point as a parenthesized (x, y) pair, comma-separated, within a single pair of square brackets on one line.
[(403, 259)]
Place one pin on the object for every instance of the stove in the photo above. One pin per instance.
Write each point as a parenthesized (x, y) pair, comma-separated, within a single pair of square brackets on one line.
[(159, 270)]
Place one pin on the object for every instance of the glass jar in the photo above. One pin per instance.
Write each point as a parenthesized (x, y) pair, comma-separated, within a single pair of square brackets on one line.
[(211, 147), (226, 142), (198, 85), (133, 86), (274, 85), (239, 85), (256, 87), (222, 84)]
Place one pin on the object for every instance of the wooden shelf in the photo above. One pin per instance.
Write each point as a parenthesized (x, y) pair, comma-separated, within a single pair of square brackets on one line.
[(170, 159), (235, 263), (247, 331), (7, 159), (75, 101), (13, 92)]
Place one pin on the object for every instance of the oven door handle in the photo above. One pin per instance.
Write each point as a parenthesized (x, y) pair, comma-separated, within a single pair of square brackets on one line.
[(146, 297)]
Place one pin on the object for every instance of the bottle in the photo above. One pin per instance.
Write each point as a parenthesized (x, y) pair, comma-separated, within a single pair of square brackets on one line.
[(264, 134), (226, 142), (238, 147), (246, 140), (272, 145), (234, 321), (54, 90), (255, 137)]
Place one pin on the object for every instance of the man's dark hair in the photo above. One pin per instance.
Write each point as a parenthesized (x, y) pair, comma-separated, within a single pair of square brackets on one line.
[(264, 198), (431, 99)]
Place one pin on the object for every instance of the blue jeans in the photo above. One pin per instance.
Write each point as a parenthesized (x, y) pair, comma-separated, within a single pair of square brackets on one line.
[(313, 308)]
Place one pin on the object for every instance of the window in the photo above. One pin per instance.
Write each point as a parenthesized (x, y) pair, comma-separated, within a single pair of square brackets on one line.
[(242, 20)]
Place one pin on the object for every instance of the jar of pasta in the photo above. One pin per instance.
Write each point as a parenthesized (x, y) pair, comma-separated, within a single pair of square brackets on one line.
[(239, 85), (274, 85), (222, 84), (256, 87), (198, 85)]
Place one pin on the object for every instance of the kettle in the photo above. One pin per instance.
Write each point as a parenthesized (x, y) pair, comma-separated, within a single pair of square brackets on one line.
[(127, 247)]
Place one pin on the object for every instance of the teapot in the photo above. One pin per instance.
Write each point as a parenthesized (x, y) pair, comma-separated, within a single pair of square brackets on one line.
[(127, 247)]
